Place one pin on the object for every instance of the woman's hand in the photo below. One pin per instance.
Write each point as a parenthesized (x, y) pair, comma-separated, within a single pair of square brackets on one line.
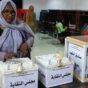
[(9, 55), (24, 48), (2, 27)]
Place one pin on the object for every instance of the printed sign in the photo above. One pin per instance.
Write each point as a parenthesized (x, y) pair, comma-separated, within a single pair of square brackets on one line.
[(21, 80), (56, 76), (75, 53)]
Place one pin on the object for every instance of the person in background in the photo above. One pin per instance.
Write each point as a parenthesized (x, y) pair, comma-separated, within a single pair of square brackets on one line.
[(16, 37), (61, 30), (60, 27), (31, 18)]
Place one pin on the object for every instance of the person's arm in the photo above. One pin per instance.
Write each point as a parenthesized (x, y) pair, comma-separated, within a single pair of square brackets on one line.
[(6, 55), (27, 44), (30, 41), (29, 36), (2, 55)]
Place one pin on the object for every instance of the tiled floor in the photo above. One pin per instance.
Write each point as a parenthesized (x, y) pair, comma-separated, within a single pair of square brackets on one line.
[(45, 44)]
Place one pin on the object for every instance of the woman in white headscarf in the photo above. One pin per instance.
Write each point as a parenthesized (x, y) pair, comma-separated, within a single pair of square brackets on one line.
[(15, 37)]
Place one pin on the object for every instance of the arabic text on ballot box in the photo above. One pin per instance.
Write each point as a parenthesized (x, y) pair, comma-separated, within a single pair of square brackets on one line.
[(18, 73), (50, 74), (76, 48)]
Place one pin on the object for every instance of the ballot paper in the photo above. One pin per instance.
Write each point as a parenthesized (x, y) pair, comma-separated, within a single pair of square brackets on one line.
[(52, 60)]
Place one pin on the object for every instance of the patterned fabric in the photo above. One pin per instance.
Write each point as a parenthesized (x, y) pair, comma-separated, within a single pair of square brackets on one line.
[(11, 38)]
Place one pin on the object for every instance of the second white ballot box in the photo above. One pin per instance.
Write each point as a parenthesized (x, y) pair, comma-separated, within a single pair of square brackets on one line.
[(76, 48), (18, 73), (52, 72)]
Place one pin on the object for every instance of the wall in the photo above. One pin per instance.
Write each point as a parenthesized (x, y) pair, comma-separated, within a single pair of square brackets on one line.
[(82, 5), (56, 4)]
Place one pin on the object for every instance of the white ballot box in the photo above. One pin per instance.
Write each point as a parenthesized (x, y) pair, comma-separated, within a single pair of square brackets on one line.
[(76, 48), (18, 73), (51, 71)]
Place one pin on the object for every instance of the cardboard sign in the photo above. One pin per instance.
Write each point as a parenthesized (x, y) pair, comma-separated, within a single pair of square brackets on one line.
[(28, 79)]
